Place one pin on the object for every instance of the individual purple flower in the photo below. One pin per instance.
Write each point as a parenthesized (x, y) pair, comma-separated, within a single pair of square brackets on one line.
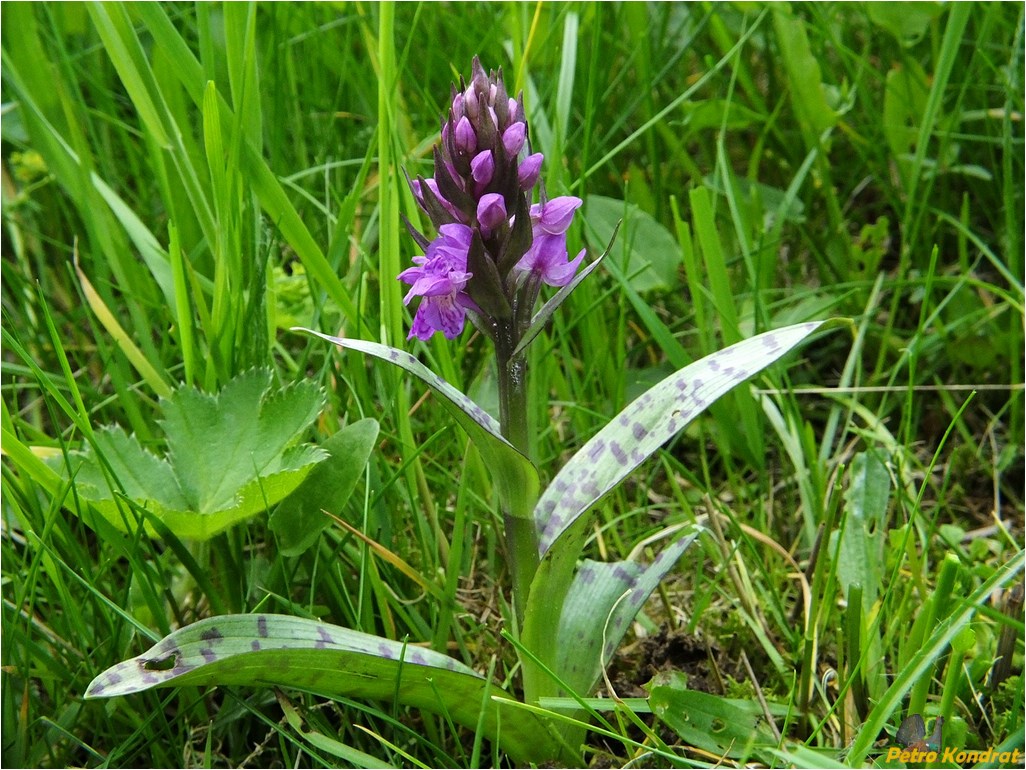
[(553, 217), (439, 278), (547, 257)]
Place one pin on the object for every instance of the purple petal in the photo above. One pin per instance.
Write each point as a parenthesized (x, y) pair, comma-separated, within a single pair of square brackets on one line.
[(466, 139), (513, 138), (547, 258), (482, 167), (561, 275), (554, 217), (491, 212), (529, 169)]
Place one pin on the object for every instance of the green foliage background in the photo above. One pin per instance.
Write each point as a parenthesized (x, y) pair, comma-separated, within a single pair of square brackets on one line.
[(182, 183)]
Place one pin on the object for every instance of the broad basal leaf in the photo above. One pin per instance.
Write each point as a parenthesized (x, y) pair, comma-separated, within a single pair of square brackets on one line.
[(262, 650), (145, 478), (606, 460), (218, 444), (651, 420), (600, 606), (646, 251), (300, 517), (516, 478)]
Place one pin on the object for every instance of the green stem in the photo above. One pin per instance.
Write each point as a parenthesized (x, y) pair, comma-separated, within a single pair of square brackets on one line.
[(521, 538)]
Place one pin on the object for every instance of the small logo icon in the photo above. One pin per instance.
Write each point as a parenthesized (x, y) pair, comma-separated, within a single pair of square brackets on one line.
[(912, 734)]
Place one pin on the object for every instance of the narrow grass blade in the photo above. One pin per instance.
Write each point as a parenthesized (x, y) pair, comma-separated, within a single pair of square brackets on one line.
[(138, 359), (925, 657)]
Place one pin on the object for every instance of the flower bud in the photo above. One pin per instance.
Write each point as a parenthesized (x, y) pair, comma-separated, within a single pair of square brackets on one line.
[(513, 138), (491, 213), (529, 170), (482, 167), (466, 139)]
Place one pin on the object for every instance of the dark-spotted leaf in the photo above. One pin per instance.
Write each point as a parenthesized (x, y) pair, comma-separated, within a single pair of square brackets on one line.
[(300, 517), (613, 453), (651, 420), (516, 478), (601, 604), (261, 650)]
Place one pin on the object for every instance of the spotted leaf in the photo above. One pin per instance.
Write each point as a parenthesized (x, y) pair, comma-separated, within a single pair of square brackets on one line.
[(515, 476), (602, 602), (261, 650), (649, 422), (606, 460)]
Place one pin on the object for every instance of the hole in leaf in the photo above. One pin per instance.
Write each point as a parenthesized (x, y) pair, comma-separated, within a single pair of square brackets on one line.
[(717, 725), (161, 664)]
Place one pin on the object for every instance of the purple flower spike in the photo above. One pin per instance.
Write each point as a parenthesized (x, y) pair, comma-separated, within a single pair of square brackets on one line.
[(484, 175)]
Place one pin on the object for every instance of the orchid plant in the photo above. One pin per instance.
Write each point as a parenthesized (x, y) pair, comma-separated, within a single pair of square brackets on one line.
[(499, 241)]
